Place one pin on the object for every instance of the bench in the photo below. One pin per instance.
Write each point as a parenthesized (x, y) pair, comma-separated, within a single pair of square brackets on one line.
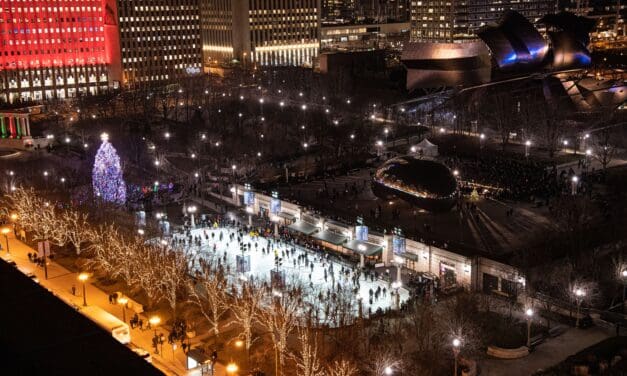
[(556, 331), (536, 340), (501, 353)]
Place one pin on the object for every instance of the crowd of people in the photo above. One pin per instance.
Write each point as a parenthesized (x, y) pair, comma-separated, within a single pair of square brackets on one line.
[(507, 178), (325, 274)]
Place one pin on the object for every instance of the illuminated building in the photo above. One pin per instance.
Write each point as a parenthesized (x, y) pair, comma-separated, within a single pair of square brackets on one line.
[(159, 40), (513, 45), (454, 21), (358, 37), (337, 10), (264, 32), (52, 49)]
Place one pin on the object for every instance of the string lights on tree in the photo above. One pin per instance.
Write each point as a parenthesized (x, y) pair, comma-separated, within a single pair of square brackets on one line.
[(107, 180)]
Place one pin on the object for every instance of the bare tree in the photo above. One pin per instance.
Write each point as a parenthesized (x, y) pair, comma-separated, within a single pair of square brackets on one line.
[(173, 271), (499, 111), (208, 293), (307, 359), (280, 319), (76, 228), (342, 368), (383, 360), (246, 309), (604, 150)]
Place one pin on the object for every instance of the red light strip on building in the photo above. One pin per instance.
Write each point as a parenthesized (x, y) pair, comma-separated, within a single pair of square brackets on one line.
[(47, 33)]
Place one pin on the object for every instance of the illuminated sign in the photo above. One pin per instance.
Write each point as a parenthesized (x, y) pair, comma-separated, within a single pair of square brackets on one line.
[(249, 198), (361, 233), (275, 206)]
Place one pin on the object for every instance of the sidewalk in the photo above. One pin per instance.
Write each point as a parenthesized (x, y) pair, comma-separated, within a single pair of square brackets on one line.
[(547, 354), (60, 282)]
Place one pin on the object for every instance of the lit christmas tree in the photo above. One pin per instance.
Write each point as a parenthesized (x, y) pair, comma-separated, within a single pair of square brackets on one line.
[(107, 179)]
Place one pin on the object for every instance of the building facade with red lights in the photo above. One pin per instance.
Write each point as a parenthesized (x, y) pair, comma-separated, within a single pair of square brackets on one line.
[(53, 49), (65, 48)]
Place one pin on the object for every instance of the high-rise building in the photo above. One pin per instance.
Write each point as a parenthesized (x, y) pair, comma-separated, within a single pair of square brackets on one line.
[(450, 21), (337, 11), (52, 49), (159, 40), (264, 32)]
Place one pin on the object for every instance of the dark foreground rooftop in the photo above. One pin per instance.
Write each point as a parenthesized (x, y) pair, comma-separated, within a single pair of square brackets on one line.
[(41, 335)]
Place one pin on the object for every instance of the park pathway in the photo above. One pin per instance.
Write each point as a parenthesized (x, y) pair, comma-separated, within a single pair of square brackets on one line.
[(547, 354)]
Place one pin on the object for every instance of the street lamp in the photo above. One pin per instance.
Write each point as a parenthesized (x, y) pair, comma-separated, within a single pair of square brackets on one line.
[(5, 232), (123, 300), (191, 210), (623, 275), (456, 345), (379, 147), (154, 321), (527, 145), (250, 210), (579, 295), (585, 139), (574, 183), (529, 316), (83, 277), (396, 286), (481, 140), (231, 368), (388, 371)]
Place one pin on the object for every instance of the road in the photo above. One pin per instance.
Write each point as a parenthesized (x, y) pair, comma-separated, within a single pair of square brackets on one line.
[(60, 281)]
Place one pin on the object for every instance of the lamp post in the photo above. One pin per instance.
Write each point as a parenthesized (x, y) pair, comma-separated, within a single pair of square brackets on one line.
[(579, 295), (585, 140), (379, 147), (573, 186), (191, 210), (249, 210), (481, 140), (5, 232), (527, 145), (231, 368), (154, 322), (396, 286), (123, 300), (456, 345), (529, 316), (623, 275), (387, 371), (83, 277)]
